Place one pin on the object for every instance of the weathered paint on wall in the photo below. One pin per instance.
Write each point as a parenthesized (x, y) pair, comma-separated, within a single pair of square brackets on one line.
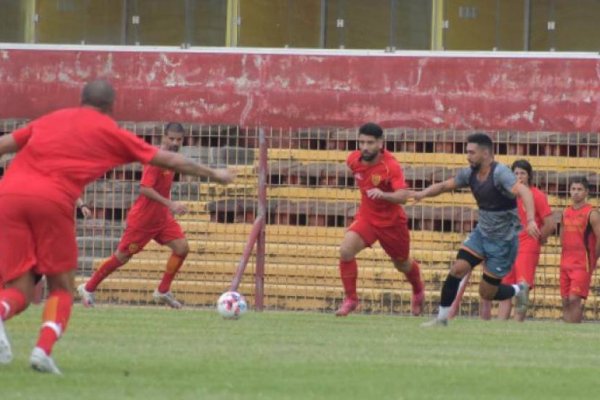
[(305, 90)]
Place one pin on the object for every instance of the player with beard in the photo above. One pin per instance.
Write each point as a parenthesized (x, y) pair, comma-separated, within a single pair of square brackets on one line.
[(150, 217), (380, 217), (494, 242)]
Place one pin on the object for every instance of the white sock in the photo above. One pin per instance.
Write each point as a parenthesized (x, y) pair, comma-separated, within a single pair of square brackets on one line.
[(517, 289), (443, 313)]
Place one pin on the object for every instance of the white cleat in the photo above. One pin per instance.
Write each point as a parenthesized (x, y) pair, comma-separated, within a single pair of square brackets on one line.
[(42, 362), (434, 323), (87, 298), (166, 298), (522, 298), (5, 350)]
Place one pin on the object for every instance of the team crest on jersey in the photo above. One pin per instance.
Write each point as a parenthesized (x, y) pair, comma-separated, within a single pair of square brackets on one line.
[(133, 248), (375, 179)]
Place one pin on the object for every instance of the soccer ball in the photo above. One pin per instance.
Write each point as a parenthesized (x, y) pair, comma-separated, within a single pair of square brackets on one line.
[(231, 305)]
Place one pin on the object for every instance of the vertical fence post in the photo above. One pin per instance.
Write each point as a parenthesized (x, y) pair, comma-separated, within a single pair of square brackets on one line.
[(262, 214)]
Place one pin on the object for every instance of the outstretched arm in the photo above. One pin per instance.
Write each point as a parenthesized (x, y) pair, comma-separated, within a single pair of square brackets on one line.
[(179, 163), (400, 196), (436, 189)]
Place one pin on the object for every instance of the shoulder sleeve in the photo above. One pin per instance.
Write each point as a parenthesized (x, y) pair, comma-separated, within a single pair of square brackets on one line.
[(504, 178), (462, 177), (397, 176), (150, 176), (21, 136), (542, 208), (351, 160)]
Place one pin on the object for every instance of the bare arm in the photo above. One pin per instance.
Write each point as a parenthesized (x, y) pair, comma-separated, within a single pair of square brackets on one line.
[(179, 163), (175, 207), (436, 189), (525, 194), (400, 196), (595, 223), (8, 145), (547, 229)]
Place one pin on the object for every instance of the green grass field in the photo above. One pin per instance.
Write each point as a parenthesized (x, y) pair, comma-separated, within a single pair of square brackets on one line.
[(156, 353)]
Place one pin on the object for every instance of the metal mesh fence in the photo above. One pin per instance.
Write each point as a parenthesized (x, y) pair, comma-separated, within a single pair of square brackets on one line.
[(311, 199)]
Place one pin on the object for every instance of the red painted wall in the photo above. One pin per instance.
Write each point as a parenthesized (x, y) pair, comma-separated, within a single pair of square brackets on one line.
[(313, 89)]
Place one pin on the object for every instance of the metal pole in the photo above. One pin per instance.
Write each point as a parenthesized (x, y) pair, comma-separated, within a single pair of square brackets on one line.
[(262, 214), (526, 24)]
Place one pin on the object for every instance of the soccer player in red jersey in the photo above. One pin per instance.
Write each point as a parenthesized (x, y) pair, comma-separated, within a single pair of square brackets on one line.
[(528, 254), (57, 155), (580, 249), (150, 217), (380, 217)]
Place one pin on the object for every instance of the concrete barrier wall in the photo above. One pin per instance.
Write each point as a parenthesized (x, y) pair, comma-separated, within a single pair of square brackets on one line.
[(280, 88)]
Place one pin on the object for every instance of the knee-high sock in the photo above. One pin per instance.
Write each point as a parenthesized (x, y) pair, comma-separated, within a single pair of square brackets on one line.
[(449, 291), (12, 302), (55, 319), (108, 267), (349, 275), (414, 277), (173, 265), (504, 292)]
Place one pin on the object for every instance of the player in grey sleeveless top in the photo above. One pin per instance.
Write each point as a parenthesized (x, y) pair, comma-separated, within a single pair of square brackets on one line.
[(494, 242)]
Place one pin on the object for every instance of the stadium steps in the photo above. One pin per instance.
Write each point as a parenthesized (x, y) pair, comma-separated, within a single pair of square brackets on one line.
[(449, 160)]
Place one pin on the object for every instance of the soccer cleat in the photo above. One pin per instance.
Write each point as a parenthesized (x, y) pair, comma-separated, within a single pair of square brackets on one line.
[(522, 298), (435, 323), (416, 303), (42, 362), (5, 350), (347, 307), (166, 298), (87, 298)]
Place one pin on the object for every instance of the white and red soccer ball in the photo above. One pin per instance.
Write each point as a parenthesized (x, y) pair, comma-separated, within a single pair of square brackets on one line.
[(231, 305)]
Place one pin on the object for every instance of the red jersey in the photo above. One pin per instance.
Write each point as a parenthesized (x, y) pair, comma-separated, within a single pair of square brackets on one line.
[(63, 151), (386, 175), (146, 213), (577, 239), (542, 210)]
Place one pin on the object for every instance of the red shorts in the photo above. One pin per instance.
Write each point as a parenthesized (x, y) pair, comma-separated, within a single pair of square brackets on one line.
[(35, 234), (523, 269), (135, 239), (575, 281), (395, 239)]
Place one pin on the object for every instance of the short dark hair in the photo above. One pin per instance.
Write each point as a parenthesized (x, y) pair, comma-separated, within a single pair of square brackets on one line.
[(481, 139), (582, 180), (371, 129), (524, 165), (99, 94), (174, 127)]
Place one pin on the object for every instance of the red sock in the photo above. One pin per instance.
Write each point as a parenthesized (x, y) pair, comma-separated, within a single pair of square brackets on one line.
[(108, 267), (55, 318), (173, 265), (12, 302), (414, 277), (349, 275)]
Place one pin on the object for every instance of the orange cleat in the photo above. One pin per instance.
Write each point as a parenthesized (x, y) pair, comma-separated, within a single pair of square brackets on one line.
[(416, 303), (347, 307)]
